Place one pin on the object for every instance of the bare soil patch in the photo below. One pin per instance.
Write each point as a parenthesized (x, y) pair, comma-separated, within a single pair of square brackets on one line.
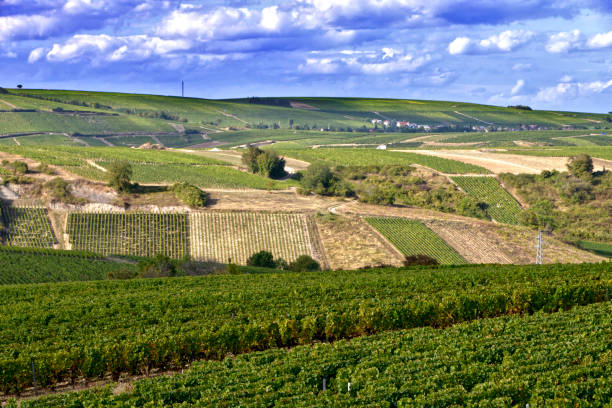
[(8, 104), (350, 243), (300, 105), (259, 200)]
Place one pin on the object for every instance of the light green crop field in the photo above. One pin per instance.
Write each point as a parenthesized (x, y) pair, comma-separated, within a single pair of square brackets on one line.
[(599, 248), (414, 238), (313, 112), (365, 157), (501, 206)]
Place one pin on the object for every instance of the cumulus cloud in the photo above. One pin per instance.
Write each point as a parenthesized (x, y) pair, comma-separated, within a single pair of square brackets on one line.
[(602, 40), (506, 41), (566, 90), (27, 27), (381, 64), (36, 54), (564, 41), (102, 47)]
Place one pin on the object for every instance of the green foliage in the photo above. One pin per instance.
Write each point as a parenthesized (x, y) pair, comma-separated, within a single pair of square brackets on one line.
[(263, 259), (558, 360), (414, 238), (16, 167), (190, 195), (264, 162), (25, 265), (120, 175), (420, 260), (581, 166), (89, 329), (599, 248), (304, 263), (319, 179), (492, 198), (469, 206), (159, 266)]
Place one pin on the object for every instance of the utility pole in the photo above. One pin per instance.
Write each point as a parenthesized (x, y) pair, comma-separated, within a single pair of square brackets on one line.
[(183, 89), (539, 244)]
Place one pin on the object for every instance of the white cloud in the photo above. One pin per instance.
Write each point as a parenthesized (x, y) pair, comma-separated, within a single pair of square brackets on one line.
[(602, 40), (103, 47), (522, 67), (564, 41), (518, 87), (459, 45), (36, 54), (26, 27), (504, 42), (571, 90)]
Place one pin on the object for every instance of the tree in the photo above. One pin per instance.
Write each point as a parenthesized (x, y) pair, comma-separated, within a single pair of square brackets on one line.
[(581, 166), (262, 259), (266, 163), (319, 179), (19, 86), (119, 176), (415, 260), (304, 263)]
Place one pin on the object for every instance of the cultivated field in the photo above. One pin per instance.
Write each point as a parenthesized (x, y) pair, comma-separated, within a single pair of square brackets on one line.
[(500, 205), (237, 235), (412, 237), (26, 227), (142, 234)]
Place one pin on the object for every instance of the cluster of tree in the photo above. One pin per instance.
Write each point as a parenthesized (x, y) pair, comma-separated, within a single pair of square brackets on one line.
[(59, 189), (269, 101), (320, 179), (3, 91), (15, 173), (264, 162), (153, 114), (262, 125), (190, 195), (265, 259), (520, 107), (120, 176), (162, 266), (16, 167)]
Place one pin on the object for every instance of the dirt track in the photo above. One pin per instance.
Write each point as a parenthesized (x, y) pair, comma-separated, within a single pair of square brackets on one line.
[(500, 162), (8, 104)]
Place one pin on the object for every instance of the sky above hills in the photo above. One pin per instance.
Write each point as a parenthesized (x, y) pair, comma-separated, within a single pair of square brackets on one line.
[(547, 54)]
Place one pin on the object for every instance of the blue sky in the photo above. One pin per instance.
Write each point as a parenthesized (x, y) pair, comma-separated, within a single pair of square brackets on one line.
[(547, 54)]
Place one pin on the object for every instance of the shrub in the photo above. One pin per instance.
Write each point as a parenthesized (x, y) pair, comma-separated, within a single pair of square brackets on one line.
[(263, 259), (3, 91), (414, 260), (119, 176), (190, 195), (581, 166), (304, 263), (43, 168), (470, 207), (123, 273), (319, 179), (160, 266), (18, 167), (59, 190)]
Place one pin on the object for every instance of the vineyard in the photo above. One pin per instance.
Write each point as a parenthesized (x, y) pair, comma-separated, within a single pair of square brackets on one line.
[(25, 265), (366, 157), (90, 329), (142, 234), (238, 235), (500, 205), (412, 237), (26, 227), (558, 360)]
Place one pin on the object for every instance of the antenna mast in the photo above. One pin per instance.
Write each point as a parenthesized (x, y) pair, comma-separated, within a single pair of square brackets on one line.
[(539, 244), (183, 89)]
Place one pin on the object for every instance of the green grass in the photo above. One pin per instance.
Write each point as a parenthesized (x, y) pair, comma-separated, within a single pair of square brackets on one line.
[(501, 206), (414, 238), (598, 248), (541, 360), (365, 157), (602, 152)]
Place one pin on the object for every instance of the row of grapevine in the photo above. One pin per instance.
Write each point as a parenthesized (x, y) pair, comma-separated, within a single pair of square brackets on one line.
[(238, 235), (27, 227), (559, 360), (142, 234), (24, 265), (91, 329), (412, 237), (501, 206)]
